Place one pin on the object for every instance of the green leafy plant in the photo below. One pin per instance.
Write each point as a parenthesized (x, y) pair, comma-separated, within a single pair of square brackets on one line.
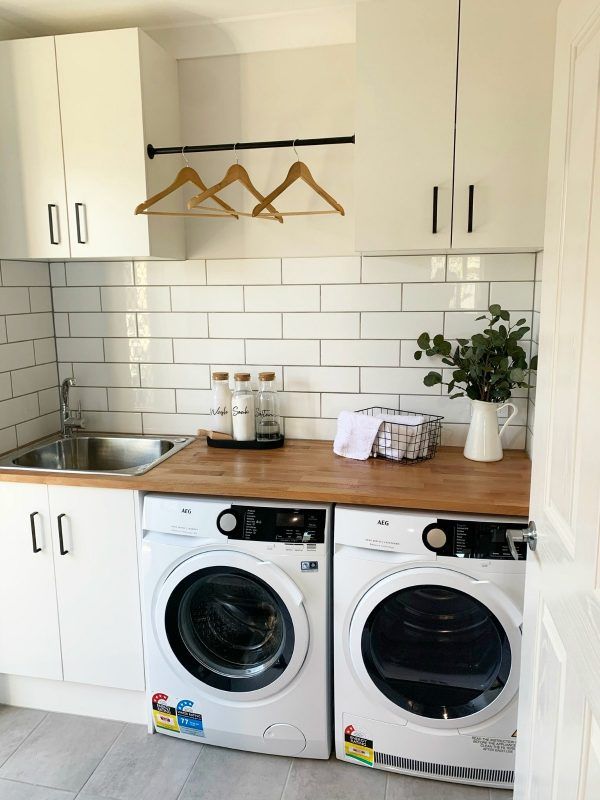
[(488, 365)]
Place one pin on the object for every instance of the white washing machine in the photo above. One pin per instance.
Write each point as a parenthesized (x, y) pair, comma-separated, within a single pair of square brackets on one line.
[(236, 623), (427, 642)]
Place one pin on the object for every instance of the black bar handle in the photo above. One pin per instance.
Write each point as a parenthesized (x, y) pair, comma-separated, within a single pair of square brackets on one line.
[(61, 543), (78, 223), (32, 517), (471, 199), (51, 223), (435, 209)]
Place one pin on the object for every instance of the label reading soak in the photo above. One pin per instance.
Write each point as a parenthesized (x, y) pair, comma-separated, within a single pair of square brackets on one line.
[(358, 747), (491, 745)]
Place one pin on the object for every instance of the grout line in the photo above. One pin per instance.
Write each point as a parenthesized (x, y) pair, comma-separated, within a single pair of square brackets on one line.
[(37, 725), (287, 780)]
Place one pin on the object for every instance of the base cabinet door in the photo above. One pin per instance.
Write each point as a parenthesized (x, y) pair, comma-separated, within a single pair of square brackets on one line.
[(97, 586), (29, 630)]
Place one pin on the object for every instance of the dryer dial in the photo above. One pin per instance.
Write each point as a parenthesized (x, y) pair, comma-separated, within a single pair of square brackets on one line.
[(227, 522), (436, 538)]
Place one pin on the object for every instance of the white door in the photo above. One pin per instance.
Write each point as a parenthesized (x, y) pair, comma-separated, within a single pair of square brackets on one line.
[(29, 635), (101, 108), (33, 210), (558, 751), (406, 83), (97, 586), (503, 100)]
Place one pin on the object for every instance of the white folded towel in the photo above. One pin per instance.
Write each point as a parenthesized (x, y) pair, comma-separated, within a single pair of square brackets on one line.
[(355, 435), (399, 438)]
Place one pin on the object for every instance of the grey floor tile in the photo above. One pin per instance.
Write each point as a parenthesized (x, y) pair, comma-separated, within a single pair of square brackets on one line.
[(15, 725), (334, 780), (405, 787), (12, 790), (235, 775), (140, 765), (62, 752)]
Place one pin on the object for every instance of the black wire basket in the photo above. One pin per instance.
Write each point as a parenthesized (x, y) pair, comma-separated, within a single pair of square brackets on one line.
[(402, 442)]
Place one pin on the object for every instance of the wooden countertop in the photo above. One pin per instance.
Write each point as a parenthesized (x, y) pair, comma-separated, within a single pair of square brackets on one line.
[(308, 470)]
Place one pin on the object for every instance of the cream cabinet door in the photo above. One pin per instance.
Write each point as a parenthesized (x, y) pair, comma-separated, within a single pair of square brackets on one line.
[(29, 631), (97, 586), (504, 99), (33, 210), (406, 76)]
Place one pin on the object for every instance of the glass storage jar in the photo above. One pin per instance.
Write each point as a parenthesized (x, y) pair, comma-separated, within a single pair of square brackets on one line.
[(242, 409), (268, 423)]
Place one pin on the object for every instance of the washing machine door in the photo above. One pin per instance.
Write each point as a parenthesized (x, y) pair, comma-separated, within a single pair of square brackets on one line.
[(234, 623), (439, 647)]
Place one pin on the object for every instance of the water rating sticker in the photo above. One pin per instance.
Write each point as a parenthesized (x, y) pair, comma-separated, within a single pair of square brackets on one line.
[(358, 747), (163, 714), (189, 721)]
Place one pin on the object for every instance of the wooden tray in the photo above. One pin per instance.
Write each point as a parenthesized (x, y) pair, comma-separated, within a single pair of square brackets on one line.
[(232, 444)]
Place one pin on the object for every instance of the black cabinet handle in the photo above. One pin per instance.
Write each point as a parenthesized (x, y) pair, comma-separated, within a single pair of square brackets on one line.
[(51, 207), (32, 517), (61, 543), (435, 209), (78, 206), (471, 199)]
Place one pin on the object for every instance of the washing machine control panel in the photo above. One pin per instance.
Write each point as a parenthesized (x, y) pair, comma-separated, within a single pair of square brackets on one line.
[(267, 524), (472, 539)]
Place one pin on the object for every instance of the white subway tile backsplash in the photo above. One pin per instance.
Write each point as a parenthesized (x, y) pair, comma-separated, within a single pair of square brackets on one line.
[(491, 267), (14, 356), (463, 324), (40, 298), (403, 269), (175, 424), (207, 298), (2, 330), (61, 325), (282, 298), (135, 298), (102, 324), (186, 324), (395, 381), (25, 273), (366, 353), (244, 326), (72, 349), (5, 386), (208, 351), (37, 428), (321, 326), (85, 298), (32, 379), (300, 404), (400, 325), (185, 376), (170, 273), (321, 379), (408, 348), (445, 296), (512, 295), (336, 269), (49, 400), (113, 422), (99, 273), (18, 409), (299, 428), (91, 398), (362, 297), (14, 300), (149, 351), (193, 401), (279, 351), (106, 374), (20, 327), (243, 271), (8, 439), (457, 410), (141, 400), (333, 404)]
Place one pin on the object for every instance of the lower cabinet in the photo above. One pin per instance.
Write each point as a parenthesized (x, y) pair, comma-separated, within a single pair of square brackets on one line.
[(71, 610)]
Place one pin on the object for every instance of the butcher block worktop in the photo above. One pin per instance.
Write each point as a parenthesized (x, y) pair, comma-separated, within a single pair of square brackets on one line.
[(309, 471)]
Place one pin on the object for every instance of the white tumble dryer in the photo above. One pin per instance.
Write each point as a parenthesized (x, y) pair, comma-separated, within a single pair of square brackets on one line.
[(427, 640), (236, 622)]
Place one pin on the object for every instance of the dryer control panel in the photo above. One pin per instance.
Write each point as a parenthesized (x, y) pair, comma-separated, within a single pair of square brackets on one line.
[(268, 524), (472, 539)]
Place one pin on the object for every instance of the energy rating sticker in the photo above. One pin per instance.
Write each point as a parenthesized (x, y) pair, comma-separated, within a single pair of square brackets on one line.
[(164, 715), (189, 722), (358, 747)]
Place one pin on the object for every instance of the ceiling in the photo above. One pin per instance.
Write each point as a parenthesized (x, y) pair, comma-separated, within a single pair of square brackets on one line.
[(41, 17)]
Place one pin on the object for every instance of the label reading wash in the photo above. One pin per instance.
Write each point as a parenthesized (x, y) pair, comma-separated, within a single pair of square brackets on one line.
[(358, 747)]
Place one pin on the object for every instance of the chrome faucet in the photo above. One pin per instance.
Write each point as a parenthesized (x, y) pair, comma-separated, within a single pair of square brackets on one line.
[(69, 420)]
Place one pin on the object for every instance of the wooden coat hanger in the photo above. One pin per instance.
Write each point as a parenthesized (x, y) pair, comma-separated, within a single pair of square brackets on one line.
[(236, 173), (185, 175), (298, 171)]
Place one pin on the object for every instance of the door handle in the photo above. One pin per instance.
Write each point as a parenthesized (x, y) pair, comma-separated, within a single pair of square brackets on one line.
[(61, 543), (471, 204), (435, 209), (78, 207), (528, 534), (32, 517), (52, 209)]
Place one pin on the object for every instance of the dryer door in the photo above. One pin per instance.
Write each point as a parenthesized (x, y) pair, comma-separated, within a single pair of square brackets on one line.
[(233, 622), (440, 647)]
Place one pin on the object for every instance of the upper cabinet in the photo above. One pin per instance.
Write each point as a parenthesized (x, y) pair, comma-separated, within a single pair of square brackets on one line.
[(453, 123), (106, 95)]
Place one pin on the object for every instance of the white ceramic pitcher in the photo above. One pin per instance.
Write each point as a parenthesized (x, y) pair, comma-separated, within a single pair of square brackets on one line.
[(483, 440)]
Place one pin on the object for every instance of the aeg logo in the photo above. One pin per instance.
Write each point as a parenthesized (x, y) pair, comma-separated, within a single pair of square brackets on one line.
[(186, 510), (383, 522)]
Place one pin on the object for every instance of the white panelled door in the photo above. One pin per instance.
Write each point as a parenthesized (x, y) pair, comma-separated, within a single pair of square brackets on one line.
[(558, 756)]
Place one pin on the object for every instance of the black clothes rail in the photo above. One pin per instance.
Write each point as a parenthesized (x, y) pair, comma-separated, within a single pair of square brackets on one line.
[(212, 148)]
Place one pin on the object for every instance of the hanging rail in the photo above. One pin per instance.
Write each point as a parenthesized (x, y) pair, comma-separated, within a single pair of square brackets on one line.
[(212, 148)]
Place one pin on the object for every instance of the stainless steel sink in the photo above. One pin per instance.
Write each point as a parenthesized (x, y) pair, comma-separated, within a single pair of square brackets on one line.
[(105, 455)]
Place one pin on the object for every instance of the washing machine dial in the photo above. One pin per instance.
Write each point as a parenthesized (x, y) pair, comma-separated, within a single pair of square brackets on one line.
[(227, 522), (436, 538)]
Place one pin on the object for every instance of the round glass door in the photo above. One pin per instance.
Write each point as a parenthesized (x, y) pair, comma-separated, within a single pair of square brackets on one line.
[(436, 651), (229, 629)]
